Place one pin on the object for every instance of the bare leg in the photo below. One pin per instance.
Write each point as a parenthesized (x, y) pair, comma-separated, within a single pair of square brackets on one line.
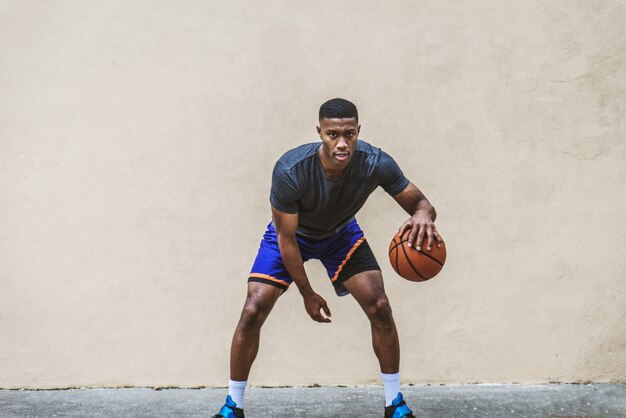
[(245, 346), (369, 291)]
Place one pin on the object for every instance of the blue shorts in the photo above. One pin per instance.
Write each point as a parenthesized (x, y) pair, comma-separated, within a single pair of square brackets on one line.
[(344, 254)]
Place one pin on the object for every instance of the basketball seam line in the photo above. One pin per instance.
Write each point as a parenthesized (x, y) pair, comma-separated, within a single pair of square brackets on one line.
[(408, 260), (395, 245), (432, 258), (397, 266)]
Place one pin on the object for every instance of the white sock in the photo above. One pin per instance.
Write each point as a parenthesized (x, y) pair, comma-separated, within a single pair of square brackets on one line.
[(236, 391), (391, 383)]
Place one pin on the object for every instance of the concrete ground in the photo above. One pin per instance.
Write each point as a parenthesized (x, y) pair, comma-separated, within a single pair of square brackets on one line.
[(552, 401)]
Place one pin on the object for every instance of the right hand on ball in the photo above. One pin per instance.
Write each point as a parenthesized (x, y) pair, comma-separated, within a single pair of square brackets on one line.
[(422, 228)]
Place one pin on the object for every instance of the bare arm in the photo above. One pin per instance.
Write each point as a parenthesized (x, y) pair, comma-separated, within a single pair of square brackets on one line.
[(286, 226), (423, 215)]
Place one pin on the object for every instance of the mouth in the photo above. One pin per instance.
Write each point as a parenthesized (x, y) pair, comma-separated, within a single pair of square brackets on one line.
[(342, 156)]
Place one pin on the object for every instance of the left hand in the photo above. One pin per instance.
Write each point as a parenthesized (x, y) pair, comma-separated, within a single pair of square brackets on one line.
[(421, 225)]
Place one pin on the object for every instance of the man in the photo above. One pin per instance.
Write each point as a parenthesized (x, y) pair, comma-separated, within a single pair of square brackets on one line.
[(316, 191)]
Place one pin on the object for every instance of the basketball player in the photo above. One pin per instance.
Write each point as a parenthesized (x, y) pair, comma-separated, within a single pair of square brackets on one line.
[(316, 191)]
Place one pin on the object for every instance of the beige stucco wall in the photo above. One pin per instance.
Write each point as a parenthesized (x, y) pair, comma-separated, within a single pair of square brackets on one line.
[(136, 146)]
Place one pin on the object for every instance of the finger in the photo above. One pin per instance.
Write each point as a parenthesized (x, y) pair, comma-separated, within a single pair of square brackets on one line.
[(316, 314), (439, 239), (412, 234), (326, 310), (403, 228), (420, 238), (429, 242), (321, 317)]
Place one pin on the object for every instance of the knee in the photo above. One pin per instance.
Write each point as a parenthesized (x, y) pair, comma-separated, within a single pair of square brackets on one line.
[(253, 316), (380, 311)]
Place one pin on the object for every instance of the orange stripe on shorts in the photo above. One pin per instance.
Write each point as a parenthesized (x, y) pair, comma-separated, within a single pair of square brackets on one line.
[(268, 277), (343, 263)]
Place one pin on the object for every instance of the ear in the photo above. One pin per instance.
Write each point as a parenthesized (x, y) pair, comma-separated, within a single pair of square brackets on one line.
[(319, 130), (358, 129)]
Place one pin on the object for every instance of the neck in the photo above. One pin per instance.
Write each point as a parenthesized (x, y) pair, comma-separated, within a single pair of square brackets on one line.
[(331, 170)]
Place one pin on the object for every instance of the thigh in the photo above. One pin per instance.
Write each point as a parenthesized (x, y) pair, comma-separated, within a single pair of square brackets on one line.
[(367, 287)]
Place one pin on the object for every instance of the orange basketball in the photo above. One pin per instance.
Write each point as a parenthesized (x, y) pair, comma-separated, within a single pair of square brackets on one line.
[(417, 266)]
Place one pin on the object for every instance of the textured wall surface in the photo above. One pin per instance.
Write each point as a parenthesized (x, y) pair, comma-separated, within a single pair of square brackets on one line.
[(136, 146)]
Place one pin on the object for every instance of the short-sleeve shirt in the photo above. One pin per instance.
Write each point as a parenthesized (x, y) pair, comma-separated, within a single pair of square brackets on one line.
[(325, 205)]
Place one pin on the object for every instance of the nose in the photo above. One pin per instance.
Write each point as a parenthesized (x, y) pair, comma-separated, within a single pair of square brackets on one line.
[(342, 143)]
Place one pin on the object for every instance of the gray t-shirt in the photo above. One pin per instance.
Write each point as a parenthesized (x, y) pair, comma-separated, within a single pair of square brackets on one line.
[(324, 205)]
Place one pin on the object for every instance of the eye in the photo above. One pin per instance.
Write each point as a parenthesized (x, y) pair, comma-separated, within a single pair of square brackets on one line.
[(332, 134)]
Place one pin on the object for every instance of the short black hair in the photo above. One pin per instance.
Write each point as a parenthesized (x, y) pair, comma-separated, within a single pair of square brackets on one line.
[(338, 109)]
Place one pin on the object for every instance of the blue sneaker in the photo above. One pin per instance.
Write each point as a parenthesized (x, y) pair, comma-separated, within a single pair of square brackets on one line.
[(230, 410), (398, 409)]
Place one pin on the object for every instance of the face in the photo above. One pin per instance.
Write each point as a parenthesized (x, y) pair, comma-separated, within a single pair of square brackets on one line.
[(338, 139)]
